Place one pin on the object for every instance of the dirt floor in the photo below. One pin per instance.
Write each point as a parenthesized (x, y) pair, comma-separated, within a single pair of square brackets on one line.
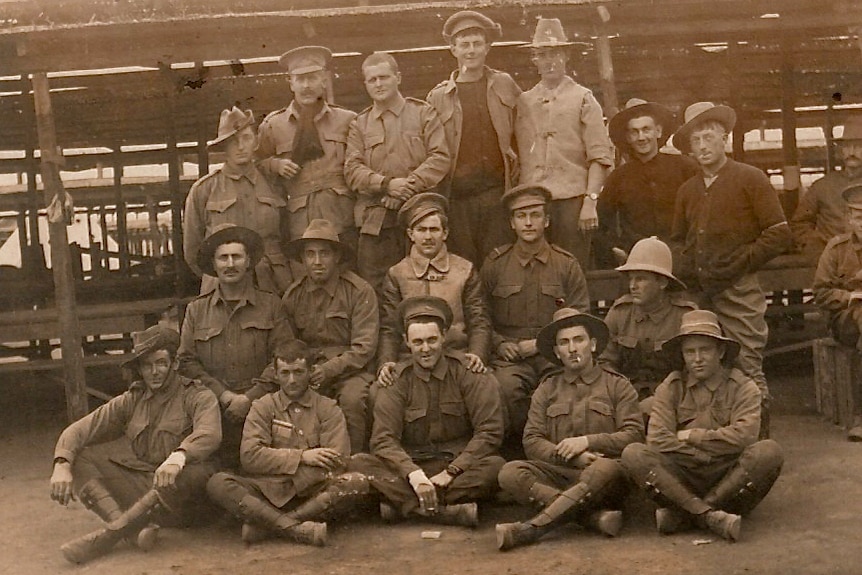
[(808, 524)]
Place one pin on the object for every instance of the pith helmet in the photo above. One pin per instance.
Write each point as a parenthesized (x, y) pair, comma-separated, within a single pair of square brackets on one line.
[(652, 255)]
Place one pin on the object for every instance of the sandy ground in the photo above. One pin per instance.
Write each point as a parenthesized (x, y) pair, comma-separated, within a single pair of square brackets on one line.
[(808, 524)]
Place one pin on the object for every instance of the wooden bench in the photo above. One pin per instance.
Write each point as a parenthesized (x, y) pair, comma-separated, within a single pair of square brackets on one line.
[(836, 373)]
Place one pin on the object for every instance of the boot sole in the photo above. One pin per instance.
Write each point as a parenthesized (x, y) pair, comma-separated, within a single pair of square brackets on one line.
[(504, 539)]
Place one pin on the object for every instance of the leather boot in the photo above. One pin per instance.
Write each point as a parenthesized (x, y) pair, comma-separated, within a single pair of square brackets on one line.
[(606, 521), (342, 495), (723, 524), (511, 535), (99, 542), (664, 487), (389, 513), (671, 520), (257, 511), (738, 492), (463, 514)]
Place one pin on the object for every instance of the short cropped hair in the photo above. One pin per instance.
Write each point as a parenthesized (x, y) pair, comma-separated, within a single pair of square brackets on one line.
[(381, 58), (292, 351)]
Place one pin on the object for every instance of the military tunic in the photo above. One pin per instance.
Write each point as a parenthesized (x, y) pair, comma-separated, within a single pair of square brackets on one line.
[(838, 276)]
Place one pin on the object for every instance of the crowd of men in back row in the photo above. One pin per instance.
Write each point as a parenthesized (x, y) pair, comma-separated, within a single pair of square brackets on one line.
[(391, 300)]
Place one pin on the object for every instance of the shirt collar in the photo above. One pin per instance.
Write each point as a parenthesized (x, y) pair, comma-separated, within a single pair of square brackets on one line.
[(453, 82), (293, 110), (712, 383), (656, 315), (165, 389), (250, 172), (330, 286), (396, 108), (526, 256), (589, 375), (284, 403), (420, 263), (438, 372), (249, 296)]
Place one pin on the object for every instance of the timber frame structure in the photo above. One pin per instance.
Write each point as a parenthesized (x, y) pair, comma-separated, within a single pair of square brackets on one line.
[(142, 82)]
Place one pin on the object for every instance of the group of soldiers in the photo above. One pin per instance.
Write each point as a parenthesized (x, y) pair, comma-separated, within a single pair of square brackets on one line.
[(393, 300)]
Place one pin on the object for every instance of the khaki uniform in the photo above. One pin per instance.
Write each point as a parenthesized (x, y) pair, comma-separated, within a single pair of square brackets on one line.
[(243, 199), (839, 273), (404, 141), (821, 213), (524, 290), (428, 420), (449, 277), (122, 442), (635, 347)]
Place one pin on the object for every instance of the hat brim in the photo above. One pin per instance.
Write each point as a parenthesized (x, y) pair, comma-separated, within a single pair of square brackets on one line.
[(725, 115), (249, 238), (293, 249), (672, 346), (675, 283), (547, 338), (249, 121), (618, 125)]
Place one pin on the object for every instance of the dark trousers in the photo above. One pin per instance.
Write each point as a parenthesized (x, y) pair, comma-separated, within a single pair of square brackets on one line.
[(478, 223), (564, 231), (476, 483), (376, 254)]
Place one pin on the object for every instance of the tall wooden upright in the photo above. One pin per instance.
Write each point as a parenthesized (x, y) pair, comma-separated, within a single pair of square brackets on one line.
[(61, 265)]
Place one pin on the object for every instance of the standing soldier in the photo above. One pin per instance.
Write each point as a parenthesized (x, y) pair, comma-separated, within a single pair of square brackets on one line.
[(237, 194), (430, 269), (437, 429), (702, 462), (525, 283), (335, 312), (477, 108), (229, 334), (580, 420), (144, 456), (638, 197), (646, 317), (303, 147), (729, 222), (395, 149), (563, 142)]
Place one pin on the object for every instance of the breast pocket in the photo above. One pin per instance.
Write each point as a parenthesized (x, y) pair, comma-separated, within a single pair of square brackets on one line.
[(602, 415), (558, 416), (255, 332), (553, 298), (453, 415), (503, 308), (685, 416), (219, 211), (177, 427), (415, 146), (338, 326), (335, 146)]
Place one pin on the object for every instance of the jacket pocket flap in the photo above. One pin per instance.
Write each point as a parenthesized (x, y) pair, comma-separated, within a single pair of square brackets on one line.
[(504, 291), (553, 290), (557, 409), (220, 205), (411, 414), (273, 201), (206, 333), (452, 408), (600, 407)]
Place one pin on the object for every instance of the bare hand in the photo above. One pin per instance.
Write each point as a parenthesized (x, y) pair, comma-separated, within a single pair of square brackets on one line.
[(287, 168), (386, 375), (589, 218), (427, 495), (318, 377), (442, 479), (61, 483), (475, 363), (683, 434), (324, 457), (509, 351), (571, 447), (401, 188), (584, 459), (166, 475), (238, 406), (391, 203), (620, 255), (527, 348)]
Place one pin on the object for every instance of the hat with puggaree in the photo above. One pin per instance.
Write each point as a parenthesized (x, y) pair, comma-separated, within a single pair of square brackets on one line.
[(317, 230), (637, 108), (152, 339), (421, 206), (427, 306), (570, 317), (306, 59), (698, 113), (701, 322), (466, 19), (852, 194), (226, 234), (852, 129), (526, 195), (231, 122), (652, 255), (549, 34)]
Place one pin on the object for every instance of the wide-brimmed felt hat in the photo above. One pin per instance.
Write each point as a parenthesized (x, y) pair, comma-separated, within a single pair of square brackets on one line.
[(697, 114), (226, 234), (306, 59), (549, 34), (637, 108), (466, 19), (425, 306), (652, 255), (421, 206), (569, 317), (231, 122), (524, 196), (852, 129), (153, 338), (705, 323), (317, 230), (852, 195)]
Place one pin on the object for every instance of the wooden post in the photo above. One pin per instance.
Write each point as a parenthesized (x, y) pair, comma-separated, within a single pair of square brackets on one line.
[(61, 265), (29, 261), (606, 64), (122, 232), (177, 200), (791, 168), (827, 132)]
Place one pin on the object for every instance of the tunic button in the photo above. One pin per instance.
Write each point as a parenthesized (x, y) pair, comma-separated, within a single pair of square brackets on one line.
[(296, 410), (299, 432)]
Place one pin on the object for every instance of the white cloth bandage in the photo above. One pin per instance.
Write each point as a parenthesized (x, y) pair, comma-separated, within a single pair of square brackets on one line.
[(417, 478), (177, 458)]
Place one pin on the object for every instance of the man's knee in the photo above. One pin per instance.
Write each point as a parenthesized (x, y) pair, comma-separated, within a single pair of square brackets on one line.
[(637, 459), (762, 456), (516, 477), (353, 395)]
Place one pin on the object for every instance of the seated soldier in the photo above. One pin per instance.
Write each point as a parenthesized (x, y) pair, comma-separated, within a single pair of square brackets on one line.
[(646, 317), (142, 457), (702, 462), (437, 429), (294, 446), (580, 420), (526, 282), (838, 286)]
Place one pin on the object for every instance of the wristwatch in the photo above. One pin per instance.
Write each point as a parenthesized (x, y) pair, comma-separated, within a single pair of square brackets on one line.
[(593, 196), (454, 470)]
